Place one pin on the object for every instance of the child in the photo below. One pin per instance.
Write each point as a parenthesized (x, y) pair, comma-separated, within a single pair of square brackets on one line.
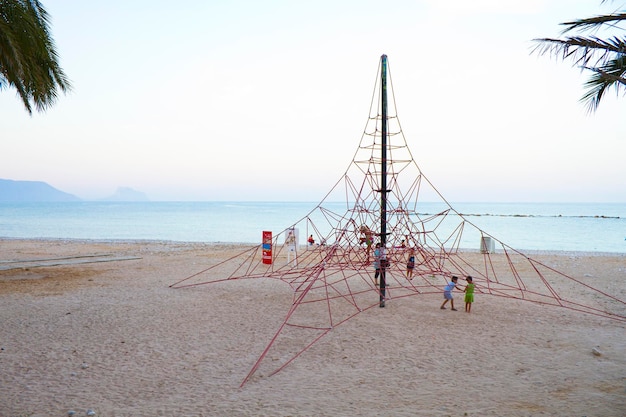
[(447, 293), (366, 237), (376, 263), (469, 294), (410, 264)]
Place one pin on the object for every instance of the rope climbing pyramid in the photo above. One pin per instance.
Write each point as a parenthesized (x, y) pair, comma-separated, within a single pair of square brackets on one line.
[(385, 200)]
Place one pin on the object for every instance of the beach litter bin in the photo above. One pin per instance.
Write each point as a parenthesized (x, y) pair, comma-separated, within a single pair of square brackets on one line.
[(487, 245)]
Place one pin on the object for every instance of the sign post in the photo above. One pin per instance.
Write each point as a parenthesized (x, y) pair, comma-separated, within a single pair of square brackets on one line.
[(291, 240)]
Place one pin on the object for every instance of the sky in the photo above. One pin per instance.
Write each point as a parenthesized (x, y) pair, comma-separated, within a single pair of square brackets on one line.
[(266, 100)]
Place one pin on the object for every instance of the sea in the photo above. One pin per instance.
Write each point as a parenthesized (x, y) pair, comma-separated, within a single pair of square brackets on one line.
[(578, 227)]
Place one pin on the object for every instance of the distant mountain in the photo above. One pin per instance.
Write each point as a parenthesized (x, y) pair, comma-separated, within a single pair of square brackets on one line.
[(35, 191), (127, 194)]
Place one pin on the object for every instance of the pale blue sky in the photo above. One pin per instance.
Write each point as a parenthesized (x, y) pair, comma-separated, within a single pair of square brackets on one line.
[(267, 100)]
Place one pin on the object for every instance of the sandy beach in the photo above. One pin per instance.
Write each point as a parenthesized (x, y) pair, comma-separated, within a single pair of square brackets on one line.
[(110, 336)]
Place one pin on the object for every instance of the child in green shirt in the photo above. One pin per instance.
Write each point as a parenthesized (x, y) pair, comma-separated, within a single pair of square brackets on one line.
[(469, 294)]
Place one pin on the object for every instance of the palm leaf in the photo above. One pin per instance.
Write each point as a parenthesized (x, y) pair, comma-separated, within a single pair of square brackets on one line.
[(581, 49), (605, 58), (28, 58), (593, 23), (610, 75)]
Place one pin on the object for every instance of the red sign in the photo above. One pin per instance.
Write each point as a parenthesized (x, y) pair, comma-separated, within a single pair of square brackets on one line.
[(267, 247)]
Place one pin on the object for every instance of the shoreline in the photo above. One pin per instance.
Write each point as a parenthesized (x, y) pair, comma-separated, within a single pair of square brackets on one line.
[(539, 252)]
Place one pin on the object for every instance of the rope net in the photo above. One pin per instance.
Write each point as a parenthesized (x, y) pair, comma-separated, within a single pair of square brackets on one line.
[(333, 281)]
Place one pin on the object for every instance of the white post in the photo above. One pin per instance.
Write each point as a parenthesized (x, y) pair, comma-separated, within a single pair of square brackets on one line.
[(291, 240)]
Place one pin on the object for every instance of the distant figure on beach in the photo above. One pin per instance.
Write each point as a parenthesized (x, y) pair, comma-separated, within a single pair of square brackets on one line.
[(311, 240), (447, 293), (410, 264), (402, 245), (469, 294)]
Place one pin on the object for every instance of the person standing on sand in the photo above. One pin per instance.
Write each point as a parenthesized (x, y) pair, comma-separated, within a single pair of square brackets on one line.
[(376, 263), (447, 293), (410, 264), (469, 294)]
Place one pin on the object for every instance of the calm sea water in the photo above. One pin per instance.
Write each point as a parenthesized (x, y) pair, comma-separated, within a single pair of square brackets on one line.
[(523, 226)]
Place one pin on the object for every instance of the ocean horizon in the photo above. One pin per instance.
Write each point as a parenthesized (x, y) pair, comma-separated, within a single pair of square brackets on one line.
[(580, 227)]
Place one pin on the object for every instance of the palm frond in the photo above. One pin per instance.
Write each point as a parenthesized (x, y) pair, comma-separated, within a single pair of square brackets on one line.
[(582, 50), (593, 23), (610, 75), (28, 58), (605, 58)]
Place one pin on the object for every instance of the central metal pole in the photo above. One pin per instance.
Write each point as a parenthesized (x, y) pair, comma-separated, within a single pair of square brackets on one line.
[(383, 177)]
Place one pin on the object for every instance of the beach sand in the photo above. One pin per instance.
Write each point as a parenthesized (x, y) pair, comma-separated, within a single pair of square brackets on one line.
[(111, 336)]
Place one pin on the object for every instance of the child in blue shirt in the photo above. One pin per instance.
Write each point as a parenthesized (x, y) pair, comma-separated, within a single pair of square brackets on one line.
[(447, 293)]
